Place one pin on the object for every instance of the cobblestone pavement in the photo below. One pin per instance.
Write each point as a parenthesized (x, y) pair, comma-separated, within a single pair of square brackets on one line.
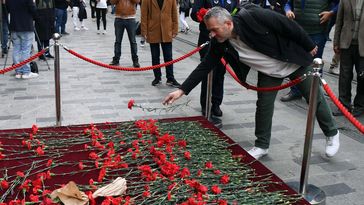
[(91, 93)]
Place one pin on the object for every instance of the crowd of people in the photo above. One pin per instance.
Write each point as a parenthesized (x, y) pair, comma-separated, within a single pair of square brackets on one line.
[(277, 38)]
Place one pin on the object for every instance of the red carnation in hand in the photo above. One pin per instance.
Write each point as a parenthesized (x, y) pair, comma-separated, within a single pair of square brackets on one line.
[(131, 104), (201, 13)]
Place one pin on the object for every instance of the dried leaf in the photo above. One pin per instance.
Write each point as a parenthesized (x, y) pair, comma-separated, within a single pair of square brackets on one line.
[(116, 188)]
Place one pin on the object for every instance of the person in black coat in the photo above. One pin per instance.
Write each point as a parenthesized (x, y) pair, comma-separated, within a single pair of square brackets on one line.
[(184, 12), (273, 45), (44, 25), (203, 37)]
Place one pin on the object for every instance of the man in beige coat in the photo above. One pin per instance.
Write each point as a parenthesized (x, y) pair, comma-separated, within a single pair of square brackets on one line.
[(349, 42), (159, 25)]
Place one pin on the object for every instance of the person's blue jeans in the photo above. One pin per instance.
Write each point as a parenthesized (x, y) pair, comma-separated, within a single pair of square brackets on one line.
[(130, 26), (167, 55), (22, 42), (320, 40), (5, 32), (61, 20)]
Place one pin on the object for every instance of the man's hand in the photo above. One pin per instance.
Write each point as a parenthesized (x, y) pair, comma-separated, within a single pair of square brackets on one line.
[(337, 49), (173, 96), (325, 16), (314, 51), (290, 15)]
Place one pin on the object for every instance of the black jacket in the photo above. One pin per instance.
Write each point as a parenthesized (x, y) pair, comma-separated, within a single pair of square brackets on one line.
[(21, 15), (263, 30)]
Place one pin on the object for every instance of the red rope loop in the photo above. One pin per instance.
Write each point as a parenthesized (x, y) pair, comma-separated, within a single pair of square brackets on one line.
[(262, 89), (134, 69), (342, 108), (15, 66)]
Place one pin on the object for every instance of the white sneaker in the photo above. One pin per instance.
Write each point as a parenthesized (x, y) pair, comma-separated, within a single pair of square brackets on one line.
[(76, 28), (84, 28), (332, 145), (104, 32), (334, 70), (257, 152), (98, 32), (30, 75), (18, 76)]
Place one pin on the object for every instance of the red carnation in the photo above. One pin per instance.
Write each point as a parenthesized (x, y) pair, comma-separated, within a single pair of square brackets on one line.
[(39, 151), (93, 155), (80, 165), (217, 171), (215, 189), (49, 162), (34, 129), (201, 13), (2, 156), (209, 165), (146, 194), (20, 174), (225, 179), (185, 172), (4, 184), (131, 104), (222, 202), (187, 155)]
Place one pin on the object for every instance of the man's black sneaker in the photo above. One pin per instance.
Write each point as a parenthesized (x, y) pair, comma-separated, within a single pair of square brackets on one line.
[(136, 64), (48, 55), (156, 82), (215, 110), (114, 62), (173, 82)]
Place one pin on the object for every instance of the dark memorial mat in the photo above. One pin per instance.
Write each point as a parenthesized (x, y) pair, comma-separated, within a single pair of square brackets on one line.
[(169, 161)]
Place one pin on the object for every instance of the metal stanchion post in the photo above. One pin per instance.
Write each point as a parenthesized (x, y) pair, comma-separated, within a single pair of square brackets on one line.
[(311, 193), (56, 37), (216, 121)]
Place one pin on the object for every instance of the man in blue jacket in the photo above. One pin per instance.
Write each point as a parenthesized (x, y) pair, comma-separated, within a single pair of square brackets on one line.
[(273, 45), (22, 34)]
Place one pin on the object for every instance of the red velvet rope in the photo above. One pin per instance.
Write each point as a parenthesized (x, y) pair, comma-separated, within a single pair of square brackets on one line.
[(134, 69), (342, 108), (5, 70), (265, 89)]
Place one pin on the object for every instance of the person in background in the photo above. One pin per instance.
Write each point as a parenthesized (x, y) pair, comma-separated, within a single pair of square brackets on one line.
[(125, 14), (203, 37), (349, 43), (184, 12), (61, 16), (274, 46), (101, 10), (314, 17), (4, 28), (21, 26), (93, 9), (79, 14), (159, 25), (44, 25)]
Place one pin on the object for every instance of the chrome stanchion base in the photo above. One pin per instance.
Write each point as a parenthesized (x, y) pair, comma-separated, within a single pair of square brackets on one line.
[(314, 195), (216, 121)]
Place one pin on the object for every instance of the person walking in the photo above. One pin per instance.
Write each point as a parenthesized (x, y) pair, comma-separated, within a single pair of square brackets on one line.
[(125, 14), (61, 16), (276, 47), (159, 25), (21, 26), (184, 12), (79, 14), (349, 43), (219, 73), (101, 10), (4, 28)]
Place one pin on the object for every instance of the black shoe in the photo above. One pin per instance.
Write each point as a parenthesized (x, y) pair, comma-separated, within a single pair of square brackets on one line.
[(357, 112), (42, 57), (337, 113), (290, 96), (5, 51), (173, 82), (215, 110), (136, 64), (49, 55), (156, 82), (114, 62), (65, 33)]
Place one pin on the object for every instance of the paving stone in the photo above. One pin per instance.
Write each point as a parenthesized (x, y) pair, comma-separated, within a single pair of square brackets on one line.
[(10, 117), (24, 98), (47, 119), (279, 128), (337, 166), (337, 189), (101, 107), (103, 116), (241, 102)]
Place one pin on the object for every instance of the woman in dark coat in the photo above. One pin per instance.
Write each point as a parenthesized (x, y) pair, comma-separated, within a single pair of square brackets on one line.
[(44, 25)]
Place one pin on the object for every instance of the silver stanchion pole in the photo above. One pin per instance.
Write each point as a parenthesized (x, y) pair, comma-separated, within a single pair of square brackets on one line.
[(216, 121), (311, 193), (56, 37)]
